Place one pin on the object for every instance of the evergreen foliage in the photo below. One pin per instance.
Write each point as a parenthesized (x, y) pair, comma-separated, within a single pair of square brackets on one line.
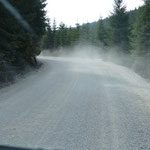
[(140, 40), (22, 24), (119, 26), (21, 43), (141, 31), (102, 33), (24, 28)]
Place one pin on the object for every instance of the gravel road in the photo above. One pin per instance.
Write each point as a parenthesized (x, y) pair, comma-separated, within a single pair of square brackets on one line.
[(77, 104)]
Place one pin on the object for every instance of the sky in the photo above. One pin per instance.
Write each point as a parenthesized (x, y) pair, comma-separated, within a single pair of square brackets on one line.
[(71, 12)]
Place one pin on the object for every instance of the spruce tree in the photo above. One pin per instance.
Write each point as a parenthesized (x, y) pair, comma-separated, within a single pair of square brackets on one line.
[(77, 30), (62, 35), (141, 31), (141, 40), (119, 25), (22, 26), (101, 33), (48, 38), (55, 36), (85, 33)]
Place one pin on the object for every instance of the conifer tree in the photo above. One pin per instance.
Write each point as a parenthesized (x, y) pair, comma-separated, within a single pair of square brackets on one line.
[(48, 39), (141, 31), (101, 33), (22, 26), (119, 25)]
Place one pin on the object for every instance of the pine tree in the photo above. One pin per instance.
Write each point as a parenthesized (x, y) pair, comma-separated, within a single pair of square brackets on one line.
[(77, 31), (85, 33), (55, 36), (62, 35), (69, 39), (119, 24), (101, 33), (140, 40), (48, 39), (22, 25), (141, 31)]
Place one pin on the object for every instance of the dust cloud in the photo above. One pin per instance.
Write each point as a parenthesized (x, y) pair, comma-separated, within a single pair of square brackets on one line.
[(109, 63), (91, 52)]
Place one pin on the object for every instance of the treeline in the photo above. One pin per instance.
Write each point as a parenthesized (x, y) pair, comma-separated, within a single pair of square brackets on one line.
[(126, 33), (25, 31), (62, 36), (129, 33), (22, 25), (115, 30)]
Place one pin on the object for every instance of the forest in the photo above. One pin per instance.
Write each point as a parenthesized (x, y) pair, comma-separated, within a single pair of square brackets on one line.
[(126, 33), (25, 31), (22, 26)]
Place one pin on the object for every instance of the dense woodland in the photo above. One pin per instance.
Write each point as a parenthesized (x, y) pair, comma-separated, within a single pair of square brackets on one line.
[(22, 26), (125, 33), (25, 31)]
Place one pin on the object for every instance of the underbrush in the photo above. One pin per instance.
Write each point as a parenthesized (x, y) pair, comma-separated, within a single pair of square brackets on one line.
[(10, 74)]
